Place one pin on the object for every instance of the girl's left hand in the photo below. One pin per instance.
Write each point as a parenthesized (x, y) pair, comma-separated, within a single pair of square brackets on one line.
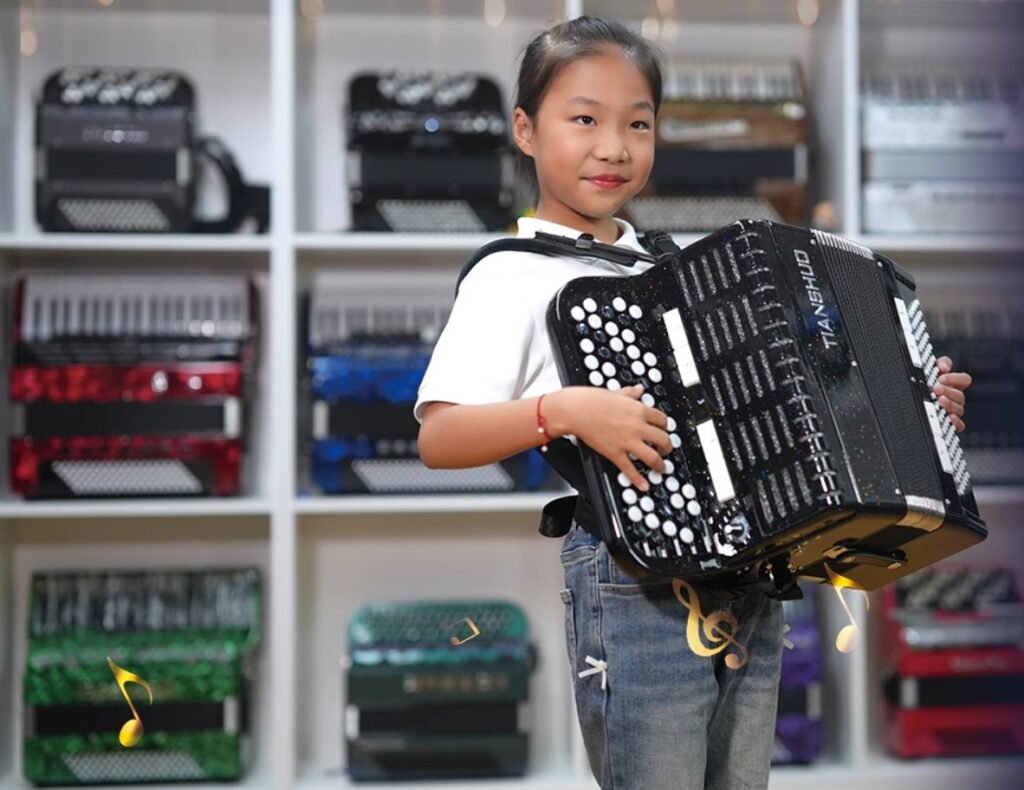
[(950, 389)]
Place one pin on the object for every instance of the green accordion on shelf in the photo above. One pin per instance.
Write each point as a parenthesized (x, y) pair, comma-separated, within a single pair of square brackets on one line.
[(437, 689), (191, 635)]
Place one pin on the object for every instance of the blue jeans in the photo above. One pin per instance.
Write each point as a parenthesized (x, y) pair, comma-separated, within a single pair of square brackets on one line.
[(667, 719)]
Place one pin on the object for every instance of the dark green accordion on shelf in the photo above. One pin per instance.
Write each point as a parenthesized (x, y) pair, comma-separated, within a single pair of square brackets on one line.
[(191, 635), (437, 689)]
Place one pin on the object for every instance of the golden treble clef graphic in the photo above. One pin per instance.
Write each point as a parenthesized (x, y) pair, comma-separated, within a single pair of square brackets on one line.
[(131, 731), (696, 622)]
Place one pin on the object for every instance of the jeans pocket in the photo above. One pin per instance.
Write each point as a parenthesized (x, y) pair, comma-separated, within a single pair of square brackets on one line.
[(623, 575), (569, 626)]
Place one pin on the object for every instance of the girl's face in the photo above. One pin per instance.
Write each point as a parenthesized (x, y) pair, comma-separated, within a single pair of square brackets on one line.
[(591, 140)]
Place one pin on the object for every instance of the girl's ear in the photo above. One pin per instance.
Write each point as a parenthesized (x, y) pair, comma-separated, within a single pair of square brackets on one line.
[(522, 131)]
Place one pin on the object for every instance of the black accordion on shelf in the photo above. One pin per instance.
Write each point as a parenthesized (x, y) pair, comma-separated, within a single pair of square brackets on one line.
[(117, 150), (131, 385), (428, 153), (796, 370), (438, 690)]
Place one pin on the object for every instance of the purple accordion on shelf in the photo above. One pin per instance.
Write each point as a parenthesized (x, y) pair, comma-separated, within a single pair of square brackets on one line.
[(799, 730)]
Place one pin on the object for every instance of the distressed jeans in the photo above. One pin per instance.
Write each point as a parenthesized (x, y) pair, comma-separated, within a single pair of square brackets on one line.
[(666, 719)]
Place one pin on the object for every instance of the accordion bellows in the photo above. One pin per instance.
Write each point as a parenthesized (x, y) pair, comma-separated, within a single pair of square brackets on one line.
[(796, 371)]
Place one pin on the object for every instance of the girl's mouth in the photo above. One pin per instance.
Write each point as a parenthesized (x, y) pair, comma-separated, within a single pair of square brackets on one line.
[(607, 181)]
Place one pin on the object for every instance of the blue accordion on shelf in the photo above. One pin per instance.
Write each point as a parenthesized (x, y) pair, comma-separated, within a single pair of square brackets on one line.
[(369, 345)]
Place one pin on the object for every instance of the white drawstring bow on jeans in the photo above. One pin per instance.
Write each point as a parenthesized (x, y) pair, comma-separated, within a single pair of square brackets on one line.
[(596, 666)]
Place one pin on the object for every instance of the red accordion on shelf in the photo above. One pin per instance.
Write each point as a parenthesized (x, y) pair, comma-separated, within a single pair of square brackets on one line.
[(131, 385), (954, 658)]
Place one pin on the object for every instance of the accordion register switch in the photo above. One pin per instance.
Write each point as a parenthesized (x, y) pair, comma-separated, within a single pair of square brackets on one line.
[(131, 385), (437, 690), (369, 345), (192, 636)]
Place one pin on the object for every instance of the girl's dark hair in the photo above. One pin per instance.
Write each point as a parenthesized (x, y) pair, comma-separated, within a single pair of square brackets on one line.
[(559, 46)]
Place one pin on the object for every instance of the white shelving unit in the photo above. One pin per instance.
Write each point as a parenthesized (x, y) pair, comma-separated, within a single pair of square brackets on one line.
[(270, 81)]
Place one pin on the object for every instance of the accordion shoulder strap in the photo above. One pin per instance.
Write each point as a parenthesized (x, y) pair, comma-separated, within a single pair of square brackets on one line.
[(585, 246)]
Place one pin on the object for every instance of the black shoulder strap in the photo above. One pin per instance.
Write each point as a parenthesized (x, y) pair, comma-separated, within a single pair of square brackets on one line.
[(552, 244), (660, 244)]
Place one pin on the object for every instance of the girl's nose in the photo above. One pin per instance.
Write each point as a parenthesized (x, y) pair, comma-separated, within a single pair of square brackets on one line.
[(612, 148)]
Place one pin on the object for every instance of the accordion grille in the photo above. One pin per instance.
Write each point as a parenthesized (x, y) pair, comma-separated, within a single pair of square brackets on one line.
[(863, 298)]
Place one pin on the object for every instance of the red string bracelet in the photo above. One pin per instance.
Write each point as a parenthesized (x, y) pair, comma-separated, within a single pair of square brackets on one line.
[(542, 426)]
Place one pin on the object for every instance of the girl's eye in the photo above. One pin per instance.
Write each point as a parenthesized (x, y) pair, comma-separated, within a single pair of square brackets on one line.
[(584, 119), (641, 125)]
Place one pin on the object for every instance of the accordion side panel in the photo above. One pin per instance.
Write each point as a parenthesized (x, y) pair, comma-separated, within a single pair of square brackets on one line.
[(863, 295)]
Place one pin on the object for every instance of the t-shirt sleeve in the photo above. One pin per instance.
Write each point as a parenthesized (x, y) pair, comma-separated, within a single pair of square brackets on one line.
[(483, 353)]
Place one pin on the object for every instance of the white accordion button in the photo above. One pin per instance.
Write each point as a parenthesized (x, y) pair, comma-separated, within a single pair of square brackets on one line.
[(671, 424), (596, 379), (647, 504), (608, 369), (654, 477), (594, 320), (623, 480), (669, 528), (611, 328), (586, 344), (616, 344), (634, 310), (614, 385), (671, 483), (589, 305), (619, 303), (693, 507), (577, 313), (655, 375), (689, 491), (676, 501), (634, 513), (590, 361), (638, 368), (651, 521), (676, 441), (628, 335), (686, 534), (647, 400), (629, 496), (650, 360), (633, 352), (669, 466)]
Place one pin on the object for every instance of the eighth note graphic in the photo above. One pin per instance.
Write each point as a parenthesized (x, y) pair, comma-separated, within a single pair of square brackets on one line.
[(454, 639), (849, 635), (131, 731)]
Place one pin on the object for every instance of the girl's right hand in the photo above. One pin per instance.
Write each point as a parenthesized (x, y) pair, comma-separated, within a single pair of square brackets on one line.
[(621, 428)]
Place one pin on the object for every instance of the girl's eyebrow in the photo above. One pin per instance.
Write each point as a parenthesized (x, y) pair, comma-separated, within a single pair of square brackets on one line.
[(643, 104)]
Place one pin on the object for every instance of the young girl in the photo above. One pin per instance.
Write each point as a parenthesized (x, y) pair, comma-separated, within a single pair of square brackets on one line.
[(654, 715)]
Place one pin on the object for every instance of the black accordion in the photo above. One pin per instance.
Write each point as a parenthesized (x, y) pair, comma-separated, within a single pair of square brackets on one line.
[(428, 153), (117, 151), (796, 370)]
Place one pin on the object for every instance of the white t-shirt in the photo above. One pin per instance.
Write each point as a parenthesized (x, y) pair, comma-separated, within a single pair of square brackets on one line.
[(495, 346)]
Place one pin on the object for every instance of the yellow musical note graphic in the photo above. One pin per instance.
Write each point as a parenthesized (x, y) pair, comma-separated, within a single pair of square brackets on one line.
[(454, 639), (849, 635), (131, 731), (710, 626)]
